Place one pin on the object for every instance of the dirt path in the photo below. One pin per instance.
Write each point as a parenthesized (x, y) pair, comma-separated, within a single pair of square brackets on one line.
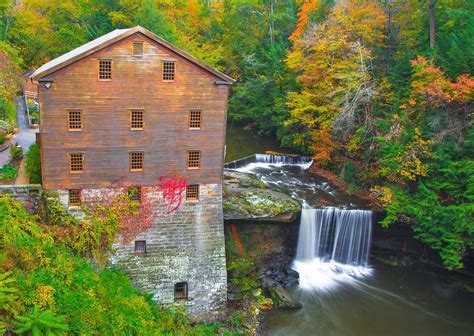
[(22, 177)]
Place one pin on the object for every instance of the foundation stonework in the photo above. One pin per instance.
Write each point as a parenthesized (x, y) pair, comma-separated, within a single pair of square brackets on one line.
[(185, 245)]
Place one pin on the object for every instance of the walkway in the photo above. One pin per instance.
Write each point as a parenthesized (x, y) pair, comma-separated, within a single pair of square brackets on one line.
[(24, 138)]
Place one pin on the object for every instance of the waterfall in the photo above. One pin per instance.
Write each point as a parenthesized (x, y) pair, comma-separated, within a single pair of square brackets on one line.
[(335, 235), (267, 160), (333, 246)]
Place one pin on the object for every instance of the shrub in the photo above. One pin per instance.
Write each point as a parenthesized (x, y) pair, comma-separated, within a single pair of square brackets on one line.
[(2, 138), (16, 153), (7, 110), (32, 107), (33, 164), (56, 291), (8, 172)]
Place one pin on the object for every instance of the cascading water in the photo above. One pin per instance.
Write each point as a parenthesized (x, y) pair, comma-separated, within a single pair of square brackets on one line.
[(333, 243), (333, 246), (335, 235)]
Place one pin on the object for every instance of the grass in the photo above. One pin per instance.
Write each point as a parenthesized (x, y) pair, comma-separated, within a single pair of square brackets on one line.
[(8, 172)]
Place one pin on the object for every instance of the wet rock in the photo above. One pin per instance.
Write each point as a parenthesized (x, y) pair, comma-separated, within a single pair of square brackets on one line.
[(285, 278), (246, 197), (280, 296)]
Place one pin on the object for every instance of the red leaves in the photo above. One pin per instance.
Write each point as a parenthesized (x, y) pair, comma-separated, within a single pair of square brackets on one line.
[(172, 190)]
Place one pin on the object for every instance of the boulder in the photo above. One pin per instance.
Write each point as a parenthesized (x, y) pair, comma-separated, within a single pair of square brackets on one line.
[(247, 198), (280, 296)]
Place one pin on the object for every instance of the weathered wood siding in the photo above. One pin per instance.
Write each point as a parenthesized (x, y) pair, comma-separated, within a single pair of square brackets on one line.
[(106, 138)]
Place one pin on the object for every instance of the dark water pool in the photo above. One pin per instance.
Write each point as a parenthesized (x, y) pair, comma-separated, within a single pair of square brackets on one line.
[(392, 301)]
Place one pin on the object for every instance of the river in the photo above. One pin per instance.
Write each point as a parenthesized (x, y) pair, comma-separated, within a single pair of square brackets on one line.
[(367, 299)]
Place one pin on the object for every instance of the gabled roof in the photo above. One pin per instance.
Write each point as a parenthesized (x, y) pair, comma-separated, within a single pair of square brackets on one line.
[(110, 38)]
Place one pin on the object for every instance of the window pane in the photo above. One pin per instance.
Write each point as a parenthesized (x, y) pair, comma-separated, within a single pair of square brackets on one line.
[(76, 162), (137, 48), (168, 71), (181, 291), (195, 119), (74, 120), (105, 69), (192, 192), (140, 246), (136, 119), (136, 161), (194, 159), (74, 197)]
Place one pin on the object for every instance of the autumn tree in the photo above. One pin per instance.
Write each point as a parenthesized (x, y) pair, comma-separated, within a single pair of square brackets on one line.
[(333, 60)]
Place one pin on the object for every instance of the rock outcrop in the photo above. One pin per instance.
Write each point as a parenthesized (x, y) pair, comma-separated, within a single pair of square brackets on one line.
[(246, 197)]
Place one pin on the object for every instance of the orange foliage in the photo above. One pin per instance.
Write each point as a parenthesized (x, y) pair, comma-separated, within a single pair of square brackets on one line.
[(303, 18), (435, 89)]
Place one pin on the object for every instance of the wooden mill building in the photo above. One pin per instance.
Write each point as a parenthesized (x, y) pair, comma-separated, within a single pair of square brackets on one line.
[(129, 108)]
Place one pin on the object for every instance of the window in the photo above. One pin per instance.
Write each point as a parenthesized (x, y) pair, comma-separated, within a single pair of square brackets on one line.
[(134, 194), (76, 162), (195, 119), (168, 71), (105, 69), (137, 48), (74, 120), (192, 192), (194, 159), (136, 119), (181, 291), (74, 197), (136, 161), (140, 246)]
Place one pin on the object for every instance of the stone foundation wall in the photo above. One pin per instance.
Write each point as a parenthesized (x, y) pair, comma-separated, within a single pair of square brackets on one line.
[(186, 245)]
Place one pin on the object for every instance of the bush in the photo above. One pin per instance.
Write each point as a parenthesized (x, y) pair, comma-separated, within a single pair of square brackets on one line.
[(2, 138), (33, 164), (7, 110), (16, 153), (59, 292), (32, 107), (8, 172)]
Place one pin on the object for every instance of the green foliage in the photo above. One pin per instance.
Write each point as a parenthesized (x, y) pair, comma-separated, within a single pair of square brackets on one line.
[(33, 164), (2, 138), (32, 107), (16, 153), (38, 323), (47, 288), (8, 172)]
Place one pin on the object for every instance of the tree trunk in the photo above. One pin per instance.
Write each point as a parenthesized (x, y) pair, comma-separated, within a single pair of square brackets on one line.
[(431, 8)]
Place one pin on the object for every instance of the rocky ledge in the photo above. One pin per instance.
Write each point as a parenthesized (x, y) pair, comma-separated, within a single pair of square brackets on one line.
[(276, 282), (246, 197)]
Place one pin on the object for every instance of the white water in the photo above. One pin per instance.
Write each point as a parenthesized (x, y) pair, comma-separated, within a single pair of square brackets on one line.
[(267, 161), (333, 244), (333, 247)]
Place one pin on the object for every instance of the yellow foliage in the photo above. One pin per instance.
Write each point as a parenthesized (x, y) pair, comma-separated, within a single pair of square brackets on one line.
[(382, 194), (44, 297)]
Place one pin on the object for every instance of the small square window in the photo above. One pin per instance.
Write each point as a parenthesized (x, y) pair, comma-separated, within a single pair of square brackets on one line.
[(168, 71), (140, 246), (135, 194), (136, 119), (136, 161), (105, 69), (74, 120), (74, 197), (192, 192), (181, 291), (194, 159), (137, 48), (76, 162), (195, 119)]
